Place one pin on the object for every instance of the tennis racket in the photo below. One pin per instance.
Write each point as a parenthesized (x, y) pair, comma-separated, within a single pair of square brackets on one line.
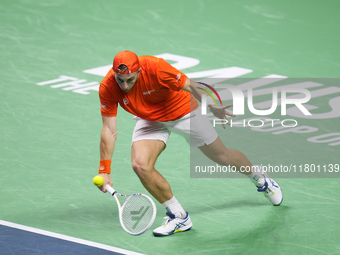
[(137, 213)]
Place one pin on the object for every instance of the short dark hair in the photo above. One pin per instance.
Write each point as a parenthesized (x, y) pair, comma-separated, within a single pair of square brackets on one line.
[(123, 68)]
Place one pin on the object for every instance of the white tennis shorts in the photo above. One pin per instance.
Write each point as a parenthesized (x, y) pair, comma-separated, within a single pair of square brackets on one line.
[(194, 127)]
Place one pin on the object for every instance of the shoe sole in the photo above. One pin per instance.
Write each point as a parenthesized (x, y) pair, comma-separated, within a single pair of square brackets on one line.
[(279, 203), (272, 202), (182, 229)]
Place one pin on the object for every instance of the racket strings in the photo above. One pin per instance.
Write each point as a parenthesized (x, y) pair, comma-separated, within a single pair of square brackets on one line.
[(137, 213)]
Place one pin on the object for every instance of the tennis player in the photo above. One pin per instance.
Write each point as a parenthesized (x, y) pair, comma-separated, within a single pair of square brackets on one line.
[(164, 100)]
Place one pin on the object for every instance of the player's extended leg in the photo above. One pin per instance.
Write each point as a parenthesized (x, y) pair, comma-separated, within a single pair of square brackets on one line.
[(217, 152), (143, 156)]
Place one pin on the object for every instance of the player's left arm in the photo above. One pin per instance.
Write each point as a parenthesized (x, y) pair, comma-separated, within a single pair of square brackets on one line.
[(193, 87), (197, 89)]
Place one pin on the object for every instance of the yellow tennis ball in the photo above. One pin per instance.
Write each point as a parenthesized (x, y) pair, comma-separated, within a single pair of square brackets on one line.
[(98, 180)]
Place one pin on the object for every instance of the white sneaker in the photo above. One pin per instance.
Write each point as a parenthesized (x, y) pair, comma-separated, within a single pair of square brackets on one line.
[(173, 224), (271, 190)]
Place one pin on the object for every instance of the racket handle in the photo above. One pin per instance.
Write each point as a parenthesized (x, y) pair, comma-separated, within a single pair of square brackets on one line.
[(110, 189)]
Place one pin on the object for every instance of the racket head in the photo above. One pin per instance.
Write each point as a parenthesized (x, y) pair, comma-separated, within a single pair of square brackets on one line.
[(137, 214)]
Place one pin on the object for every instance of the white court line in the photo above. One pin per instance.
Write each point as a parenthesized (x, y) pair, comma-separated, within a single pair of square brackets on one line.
[(68, 238)]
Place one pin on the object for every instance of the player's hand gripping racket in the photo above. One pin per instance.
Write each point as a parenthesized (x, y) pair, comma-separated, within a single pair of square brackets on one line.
[(137, 213)]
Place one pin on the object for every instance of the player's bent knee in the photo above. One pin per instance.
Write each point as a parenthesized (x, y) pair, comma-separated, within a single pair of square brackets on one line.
[(142, 169)]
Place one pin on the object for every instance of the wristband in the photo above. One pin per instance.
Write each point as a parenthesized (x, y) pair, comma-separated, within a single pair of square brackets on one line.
[(105, 166)]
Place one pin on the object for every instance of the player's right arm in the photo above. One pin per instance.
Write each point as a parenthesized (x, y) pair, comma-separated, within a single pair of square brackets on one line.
[(108, 138)]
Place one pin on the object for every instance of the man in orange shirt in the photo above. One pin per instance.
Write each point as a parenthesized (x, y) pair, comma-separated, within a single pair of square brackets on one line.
[(163, 100)]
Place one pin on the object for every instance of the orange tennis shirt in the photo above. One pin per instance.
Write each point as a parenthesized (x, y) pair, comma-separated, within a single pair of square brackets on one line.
[(157, 95)]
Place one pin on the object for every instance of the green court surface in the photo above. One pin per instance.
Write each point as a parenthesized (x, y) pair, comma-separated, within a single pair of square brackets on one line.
[(50, 132)]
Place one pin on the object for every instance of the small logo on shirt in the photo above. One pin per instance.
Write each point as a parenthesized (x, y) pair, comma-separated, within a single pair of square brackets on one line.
[(178, 77), (148, 92), (125, 101), (104, 106)]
